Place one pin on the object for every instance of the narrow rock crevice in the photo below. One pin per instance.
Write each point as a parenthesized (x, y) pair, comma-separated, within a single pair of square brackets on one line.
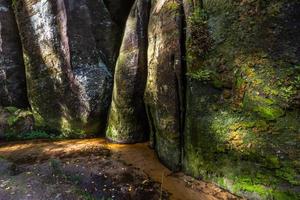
[(182, 82)]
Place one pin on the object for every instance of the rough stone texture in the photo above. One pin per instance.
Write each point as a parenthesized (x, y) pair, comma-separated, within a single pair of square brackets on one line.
[(89, 20), (69, 101), (163, 89), (84, 18), (12, 73), (242, 122), (93, 33), (128, 119)]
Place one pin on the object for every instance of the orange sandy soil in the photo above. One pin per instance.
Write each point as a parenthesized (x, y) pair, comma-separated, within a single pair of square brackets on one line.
[(139, 156)]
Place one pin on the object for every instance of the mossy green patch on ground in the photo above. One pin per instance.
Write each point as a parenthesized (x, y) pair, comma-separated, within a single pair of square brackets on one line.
[(29, 135), (16, 114), (19, 124)]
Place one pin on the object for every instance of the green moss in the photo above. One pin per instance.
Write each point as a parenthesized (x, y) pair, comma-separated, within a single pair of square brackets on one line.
[(289, 174), (265, 107), (270, 113), (198, 40), (201, 75), (14, 3), (112, 133), (15, 115), (250, 187), (239, 149), (36, 134), (279, 195), (172, 5), (273, 161)]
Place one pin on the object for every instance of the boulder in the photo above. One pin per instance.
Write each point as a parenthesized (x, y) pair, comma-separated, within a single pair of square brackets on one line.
[(128, 119)]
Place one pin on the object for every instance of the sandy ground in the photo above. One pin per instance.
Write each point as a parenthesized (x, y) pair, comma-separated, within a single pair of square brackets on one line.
[(94, 169)]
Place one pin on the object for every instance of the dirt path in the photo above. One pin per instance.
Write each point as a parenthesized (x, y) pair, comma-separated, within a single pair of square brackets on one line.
[(140, 156)]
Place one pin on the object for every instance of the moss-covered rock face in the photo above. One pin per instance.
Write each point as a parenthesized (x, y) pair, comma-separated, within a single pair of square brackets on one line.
[(12, 70), (128, 119), (15, 121), (164, 86), (69, 94), (242, 123)]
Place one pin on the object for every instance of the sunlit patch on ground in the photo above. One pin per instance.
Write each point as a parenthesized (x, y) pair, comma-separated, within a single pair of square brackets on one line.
[(93, 169)]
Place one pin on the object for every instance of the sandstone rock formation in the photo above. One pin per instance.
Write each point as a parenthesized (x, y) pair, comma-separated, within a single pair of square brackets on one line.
[(12, 71), (242, 108), (128, 120), (92, 32), (67, 93), (93, 47), (163, 95), (216, 84)]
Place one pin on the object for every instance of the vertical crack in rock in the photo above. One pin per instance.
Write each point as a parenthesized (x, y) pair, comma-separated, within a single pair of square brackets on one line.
[(119, 10), (182, 80), (164, 79), (1, 40), (107, 33)]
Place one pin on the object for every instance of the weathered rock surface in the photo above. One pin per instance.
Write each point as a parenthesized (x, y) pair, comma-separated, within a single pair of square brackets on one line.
[(68, 84), (128, 119), (93, 35), (242, 122), (12, 70), (164, 83), (92, 39)]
